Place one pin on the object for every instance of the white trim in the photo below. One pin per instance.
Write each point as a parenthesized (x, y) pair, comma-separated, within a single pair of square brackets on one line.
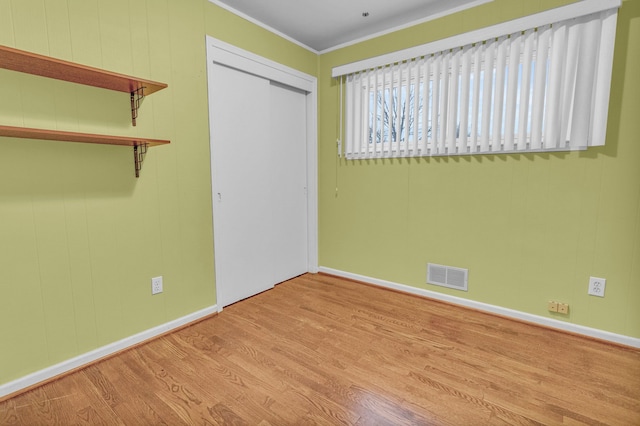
[(240, 59), (96, 354), (262, 25), (511, 313), (433, 17), (227, 54), (312, 179), (355, 41), (573, 10)]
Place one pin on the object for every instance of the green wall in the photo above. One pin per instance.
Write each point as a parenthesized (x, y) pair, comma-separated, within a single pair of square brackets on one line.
[(530, 228), (80, 236)]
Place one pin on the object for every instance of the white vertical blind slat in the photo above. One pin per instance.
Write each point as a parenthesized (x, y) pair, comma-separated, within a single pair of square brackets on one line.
[(386, 145), (358, 112), (373, 117), (487, 91), (382, 98), (454, 104), (403, 117), (539, 87), (397, 99), (393, 112), (389, 106), (348, 117), (603, 78), (352, 116), (417, 75), (465, 81), (530, 37), (444, 102), (499, 92), (568, 86), (407, 112), (435, 102), (341, 137), (426, 72), (364, 87), (555, 82), (475, 114), (515, 43), (589, 44)]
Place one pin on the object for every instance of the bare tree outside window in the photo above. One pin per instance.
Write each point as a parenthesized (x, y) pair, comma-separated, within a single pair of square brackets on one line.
[(394, 116)]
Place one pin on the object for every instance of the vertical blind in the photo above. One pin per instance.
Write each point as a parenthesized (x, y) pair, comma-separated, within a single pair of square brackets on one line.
[(545, 88)]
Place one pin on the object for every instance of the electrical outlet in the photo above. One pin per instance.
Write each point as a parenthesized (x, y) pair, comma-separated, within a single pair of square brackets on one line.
[(563, 308), (596, 286), (156, 285), (559, 307)]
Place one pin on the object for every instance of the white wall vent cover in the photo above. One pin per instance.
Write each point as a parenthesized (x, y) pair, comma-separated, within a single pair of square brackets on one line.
[(447, 276)]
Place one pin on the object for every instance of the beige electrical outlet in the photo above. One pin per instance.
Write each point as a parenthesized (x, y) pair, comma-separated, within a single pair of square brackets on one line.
[(559, 307), (563, 308)]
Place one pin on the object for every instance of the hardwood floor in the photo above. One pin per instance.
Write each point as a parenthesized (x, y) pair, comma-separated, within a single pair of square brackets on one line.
[(323, 350)]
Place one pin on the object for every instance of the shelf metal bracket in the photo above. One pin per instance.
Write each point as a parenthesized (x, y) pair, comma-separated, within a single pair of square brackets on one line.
[(138, 156), (136, 100)]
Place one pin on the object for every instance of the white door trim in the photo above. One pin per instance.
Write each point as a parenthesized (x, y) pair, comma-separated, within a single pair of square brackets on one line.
[(226, 54)]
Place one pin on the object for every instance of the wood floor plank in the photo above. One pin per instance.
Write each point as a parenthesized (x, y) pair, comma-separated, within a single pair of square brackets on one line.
[(320, 350)]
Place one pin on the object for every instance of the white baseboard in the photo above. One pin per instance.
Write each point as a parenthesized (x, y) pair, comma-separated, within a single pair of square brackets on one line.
[(510, 313), (96, 354)]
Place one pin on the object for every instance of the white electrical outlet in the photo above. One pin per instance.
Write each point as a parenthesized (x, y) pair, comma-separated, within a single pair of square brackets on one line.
[(156, 285), (596, 286)]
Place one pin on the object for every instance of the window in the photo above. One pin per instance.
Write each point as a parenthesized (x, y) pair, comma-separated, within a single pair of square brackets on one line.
[(545, 88)]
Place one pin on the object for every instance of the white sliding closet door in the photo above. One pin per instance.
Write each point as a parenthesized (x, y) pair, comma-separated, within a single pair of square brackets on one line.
[(288, 196), (259, 174)]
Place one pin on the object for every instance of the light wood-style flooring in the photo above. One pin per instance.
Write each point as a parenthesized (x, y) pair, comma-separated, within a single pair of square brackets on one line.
[(319, 350)]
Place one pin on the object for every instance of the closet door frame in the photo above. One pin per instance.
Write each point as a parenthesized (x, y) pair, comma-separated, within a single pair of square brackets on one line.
[(231, 56)]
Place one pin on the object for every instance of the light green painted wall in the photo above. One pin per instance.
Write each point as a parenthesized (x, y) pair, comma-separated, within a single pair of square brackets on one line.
[(80, 237), (530, 228)]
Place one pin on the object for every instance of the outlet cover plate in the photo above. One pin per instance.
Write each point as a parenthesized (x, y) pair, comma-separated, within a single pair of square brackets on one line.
[(156, 285), (596, 286), (563, 308)]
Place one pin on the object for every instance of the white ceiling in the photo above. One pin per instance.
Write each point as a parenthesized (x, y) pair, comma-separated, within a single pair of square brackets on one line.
[(324, 24)]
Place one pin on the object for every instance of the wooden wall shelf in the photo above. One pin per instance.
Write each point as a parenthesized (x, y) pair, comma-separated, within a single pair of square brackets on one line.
[(139, 145), (62, 136), (45, 66)]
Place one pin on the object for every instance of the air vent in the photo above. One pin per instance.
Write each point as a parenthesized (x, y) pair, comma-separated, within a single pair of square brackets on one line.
[(447, 276)]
